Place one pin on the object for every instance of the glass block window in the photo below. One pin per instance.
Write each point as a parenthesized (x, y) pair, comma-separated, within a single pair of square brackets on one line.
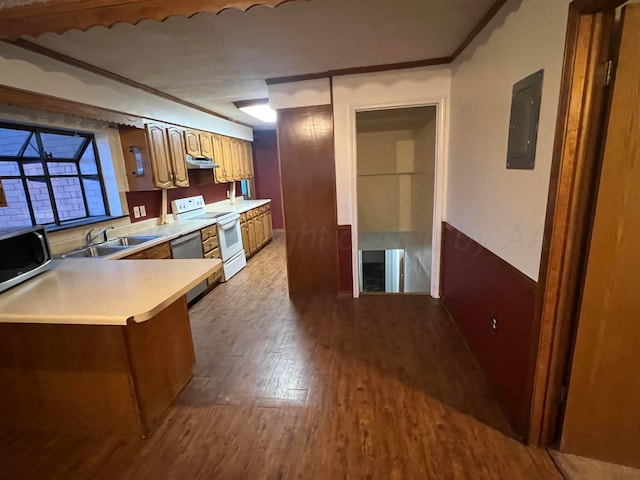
[(50, 177)]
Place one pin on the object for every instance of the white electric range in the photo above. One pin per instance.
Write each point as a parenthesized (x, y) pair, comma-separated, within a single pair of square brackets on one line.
[(229, 232)]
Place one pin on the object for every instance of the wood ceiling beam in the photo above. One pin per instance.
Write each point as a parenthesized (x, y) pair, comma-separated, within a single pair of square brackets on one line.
[(59, 16)]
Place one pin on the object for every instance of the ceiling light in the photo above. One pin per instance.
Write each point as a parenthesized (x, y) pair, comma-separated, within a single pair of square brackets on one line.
[(262, 112)]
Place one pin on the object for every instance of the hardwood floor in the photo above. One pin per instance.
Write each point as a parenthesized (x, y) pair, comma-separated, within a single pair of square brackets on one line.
[(323, 388)]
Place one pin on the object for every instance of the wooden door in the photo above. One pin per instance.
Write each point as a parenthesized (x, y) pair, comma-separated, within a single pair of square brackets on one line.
[(602, 418), (206, 144), (159, 155), (192, 143), (177, 151)]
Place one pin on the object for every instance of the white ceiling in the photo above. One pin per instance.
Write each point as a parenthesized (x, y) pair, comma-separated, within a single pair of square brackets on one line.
[(213, 60)]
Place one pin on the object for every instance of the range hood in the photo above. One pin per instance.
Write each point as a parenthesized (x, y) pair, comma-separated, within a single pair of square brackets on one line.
[(201, 163)]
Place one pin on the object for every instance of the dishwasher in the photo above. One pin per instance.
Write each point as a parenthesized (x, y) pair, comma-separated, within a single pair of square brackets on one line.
[(189, 246)]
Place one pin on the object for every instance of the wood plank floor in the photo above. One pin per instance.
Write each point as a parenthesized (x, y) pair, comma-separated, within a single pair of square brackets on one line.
[(324, 388)]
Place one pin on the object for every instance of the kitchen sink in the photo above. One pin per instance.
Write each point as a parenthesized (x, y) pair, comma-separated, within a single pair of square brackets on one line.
[(129, 241), (107, 248), (93, 252)]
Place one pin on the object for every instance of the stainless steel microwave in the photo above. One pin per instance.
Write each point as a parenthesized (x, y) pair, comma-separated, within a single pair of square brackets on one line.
[(24, 253)]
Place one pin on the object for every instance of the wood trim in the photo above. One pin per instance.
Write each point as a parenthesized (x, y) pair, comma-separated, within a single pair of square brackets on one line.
[(250, 103), (37, 101), (33, 47), (430, 62), (58, 16), (595, 6), (484, 21), (569, 210)]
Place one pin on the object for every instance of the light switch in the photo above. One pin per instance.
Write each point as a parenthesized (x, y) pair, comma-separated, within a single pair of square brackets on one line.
[(136, 212), (143, 211)]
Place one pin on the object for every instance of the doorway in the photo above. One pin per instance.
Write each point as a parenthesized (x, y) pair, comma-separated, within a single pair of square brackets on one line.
[(396, 163)]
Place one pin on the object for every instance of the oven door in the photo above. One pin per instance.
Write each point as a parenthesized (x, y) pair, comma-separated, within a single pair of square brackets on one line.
[(230, 237)]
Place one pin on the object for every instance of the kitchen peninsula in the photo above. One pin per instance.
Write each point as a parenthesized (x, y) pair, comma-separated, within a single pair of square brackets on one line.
[(97, 346)]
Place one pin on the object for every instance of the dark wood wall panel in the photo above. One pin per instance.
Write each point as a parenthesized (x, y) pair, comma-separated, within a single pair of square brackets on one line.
[(307, 162), (477, 286), (267, 169), (345, 256)]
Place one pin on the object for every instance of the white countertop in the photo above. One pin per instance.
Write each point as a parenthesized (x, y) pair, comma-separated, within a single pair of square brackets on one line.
[(90, 292)]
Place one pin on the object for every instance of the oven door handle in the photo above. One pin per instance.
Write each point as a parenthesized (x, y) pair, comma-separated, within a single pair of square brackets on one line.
[(43, 243), (228, 225)]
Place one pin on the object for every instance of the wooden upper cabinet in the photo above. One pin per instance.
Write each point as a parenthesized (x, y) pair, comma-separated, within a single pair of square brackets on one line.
[(154, 157), (236, 159), (192, 143), (248, 158), (218, 157), (206, 144), (227, 159), (159, 155), (177, 151)]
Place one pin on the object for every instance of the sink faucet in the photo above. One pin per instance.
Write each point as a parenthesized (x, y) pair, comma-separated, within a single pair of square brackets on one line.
[(90, 237)]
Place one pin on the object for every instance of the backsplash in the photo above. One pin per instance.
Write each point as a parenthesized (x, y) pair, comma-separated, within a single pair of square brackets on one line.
[(152, 200)]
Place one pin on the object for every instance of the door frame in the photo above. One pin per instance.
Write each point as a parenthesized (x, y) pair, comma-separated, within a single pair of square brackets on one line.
[(441, 156), (575, 169)]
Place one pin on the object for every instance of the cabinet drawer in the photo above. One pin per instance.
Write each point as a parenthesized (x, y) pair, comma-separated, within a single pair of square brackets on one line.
[(215, 253), (243, 217), (209, 232), (159, 252), (210, 244)]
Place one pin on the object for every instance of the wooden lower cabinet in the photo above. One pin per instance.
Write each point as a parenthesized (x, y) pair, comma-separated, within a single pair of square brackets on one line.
[(258, 230), (95, 379)]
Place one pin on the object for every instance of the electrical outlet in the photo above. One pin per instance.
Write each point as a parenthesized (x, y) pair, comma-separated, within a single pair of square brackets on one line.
[(228, 194), (494, 325), (143, 211), (136, 212)]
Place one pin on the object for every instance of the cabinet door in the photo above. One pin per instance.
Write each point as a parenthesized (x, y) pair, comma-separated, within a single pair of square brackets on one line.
[(227, 155), (206, 144), (218, 156), (253, 246), (177, 151), (245, 238), (269, 225), (248, 158), (237, 153), (192, 143), (159, 155)]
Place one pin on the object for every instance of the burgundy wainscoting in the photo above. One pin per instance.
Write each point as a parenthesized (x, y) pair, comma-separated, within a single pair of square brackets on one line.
[(267, 170), (345, 259), (477, 286), (152, 200)]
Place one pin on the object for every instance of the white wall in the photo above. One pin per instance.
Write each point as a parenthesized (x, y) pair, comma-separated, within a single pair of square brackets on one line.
[(26, 70), (504, 210), (418, 86), (300, 94)]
